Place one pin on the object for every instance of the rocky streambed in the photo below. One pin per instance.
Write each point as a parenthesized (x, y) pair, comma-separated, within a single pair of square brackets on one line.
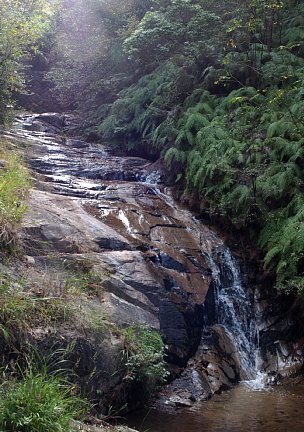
[(157, 265)]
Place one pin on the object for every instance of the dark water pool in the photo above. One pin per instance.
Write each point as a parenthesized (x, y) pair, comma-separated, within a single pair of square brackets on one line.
[(242, 409)]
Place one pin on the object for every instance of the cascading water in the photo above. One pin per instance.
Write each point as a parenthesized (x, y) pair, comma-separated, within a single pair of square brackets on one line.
[(233, 309)]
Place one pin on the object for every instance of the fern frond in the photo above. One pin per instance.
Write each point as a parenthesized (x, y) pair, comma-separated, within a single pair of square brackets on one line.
[(280, 128), (174, 153), (272, 253)]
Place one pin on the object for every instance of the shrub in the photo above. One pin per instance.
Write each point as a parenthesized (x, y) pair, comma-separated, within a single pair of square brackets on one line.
[(144, 358)]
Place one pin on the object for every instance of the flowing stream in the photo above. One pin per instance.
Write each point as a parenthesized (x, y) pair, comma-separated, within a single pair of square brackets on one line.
[(128, 198)]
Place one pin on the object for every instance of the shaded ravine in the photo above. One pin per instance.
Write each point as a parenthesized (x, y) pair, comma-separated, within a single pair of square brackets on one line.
[(166, 269)]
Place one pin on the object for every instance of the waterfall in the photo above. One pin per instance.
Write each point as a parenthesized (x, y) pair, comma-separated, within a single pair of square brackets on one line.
[(233, 308)]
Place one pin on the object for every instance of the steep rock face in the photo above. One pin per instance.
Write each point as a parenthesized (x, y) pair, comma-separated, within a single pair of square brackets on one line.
[(280, 319), (92, 209)]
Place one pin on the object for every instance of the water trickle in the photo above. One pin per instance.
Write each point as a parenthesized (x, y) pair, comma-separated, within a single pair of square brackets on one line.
[(122, 216), (233, 308), (166, 198)]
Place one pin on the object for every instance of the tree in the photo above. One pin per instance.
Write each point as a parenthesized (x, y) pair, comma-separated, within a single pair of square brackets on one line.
[(181, 29), (22, 25), (89, 59)]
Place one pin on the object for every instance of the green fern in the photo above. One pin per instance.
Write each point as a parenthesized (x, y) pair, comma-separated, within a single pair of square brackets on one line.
[(174, 154), (280, 128), (272, 253)]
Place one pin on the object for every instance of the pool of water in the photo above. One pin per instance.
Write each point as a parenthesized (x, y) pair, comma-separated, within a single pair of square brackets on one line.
[(280, 409)]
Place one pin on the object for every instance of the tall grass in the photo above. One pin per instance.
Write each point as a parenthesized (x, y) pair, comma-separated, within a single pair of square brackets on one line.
[(39, 402), (21, 311), (14, 188)]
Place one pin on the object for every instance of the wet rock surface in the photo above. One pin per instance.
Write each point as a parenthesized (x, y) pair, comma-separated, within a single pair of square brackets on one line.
[(280, 319), (88, 201), (90, 206)]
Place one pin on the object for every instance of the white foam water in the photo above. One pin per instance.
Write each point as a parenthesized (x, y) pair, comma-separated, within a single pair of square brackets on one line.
[(233, 308), (153, 178), (259, 383)]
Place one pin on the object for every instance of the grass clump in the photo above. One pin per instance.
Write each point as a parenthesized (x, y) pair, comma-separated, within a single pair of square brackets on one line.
[(38, 402), (14, 187), (88, 283), (21, 311)]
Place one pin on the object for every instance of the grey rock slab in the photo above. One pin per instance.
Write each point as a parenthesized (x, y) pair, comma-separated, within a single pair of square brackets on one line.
[(62, 220), (124, 312)]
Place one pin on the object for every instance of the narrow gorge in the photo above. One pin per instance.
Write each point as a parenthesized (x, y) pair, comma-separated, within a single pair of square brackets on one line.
[(158, 265)]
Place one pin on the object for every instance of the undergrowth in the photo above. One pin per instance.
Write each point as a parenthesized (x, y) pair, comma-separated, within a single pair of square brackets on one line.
[(21, 312), (14, 187), (37, 401), (45, 302), (143, 356)]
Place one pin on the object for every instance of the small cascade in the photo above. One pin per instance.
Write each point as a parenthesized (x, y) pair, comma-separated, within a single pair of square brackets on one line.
[(153, 178), (233, 309)]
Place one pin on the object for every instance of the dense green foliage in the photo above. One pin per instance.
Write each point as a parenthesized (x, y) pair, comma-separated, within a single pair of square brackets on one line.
[(22, 27), (143, 358), (244, 154)]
